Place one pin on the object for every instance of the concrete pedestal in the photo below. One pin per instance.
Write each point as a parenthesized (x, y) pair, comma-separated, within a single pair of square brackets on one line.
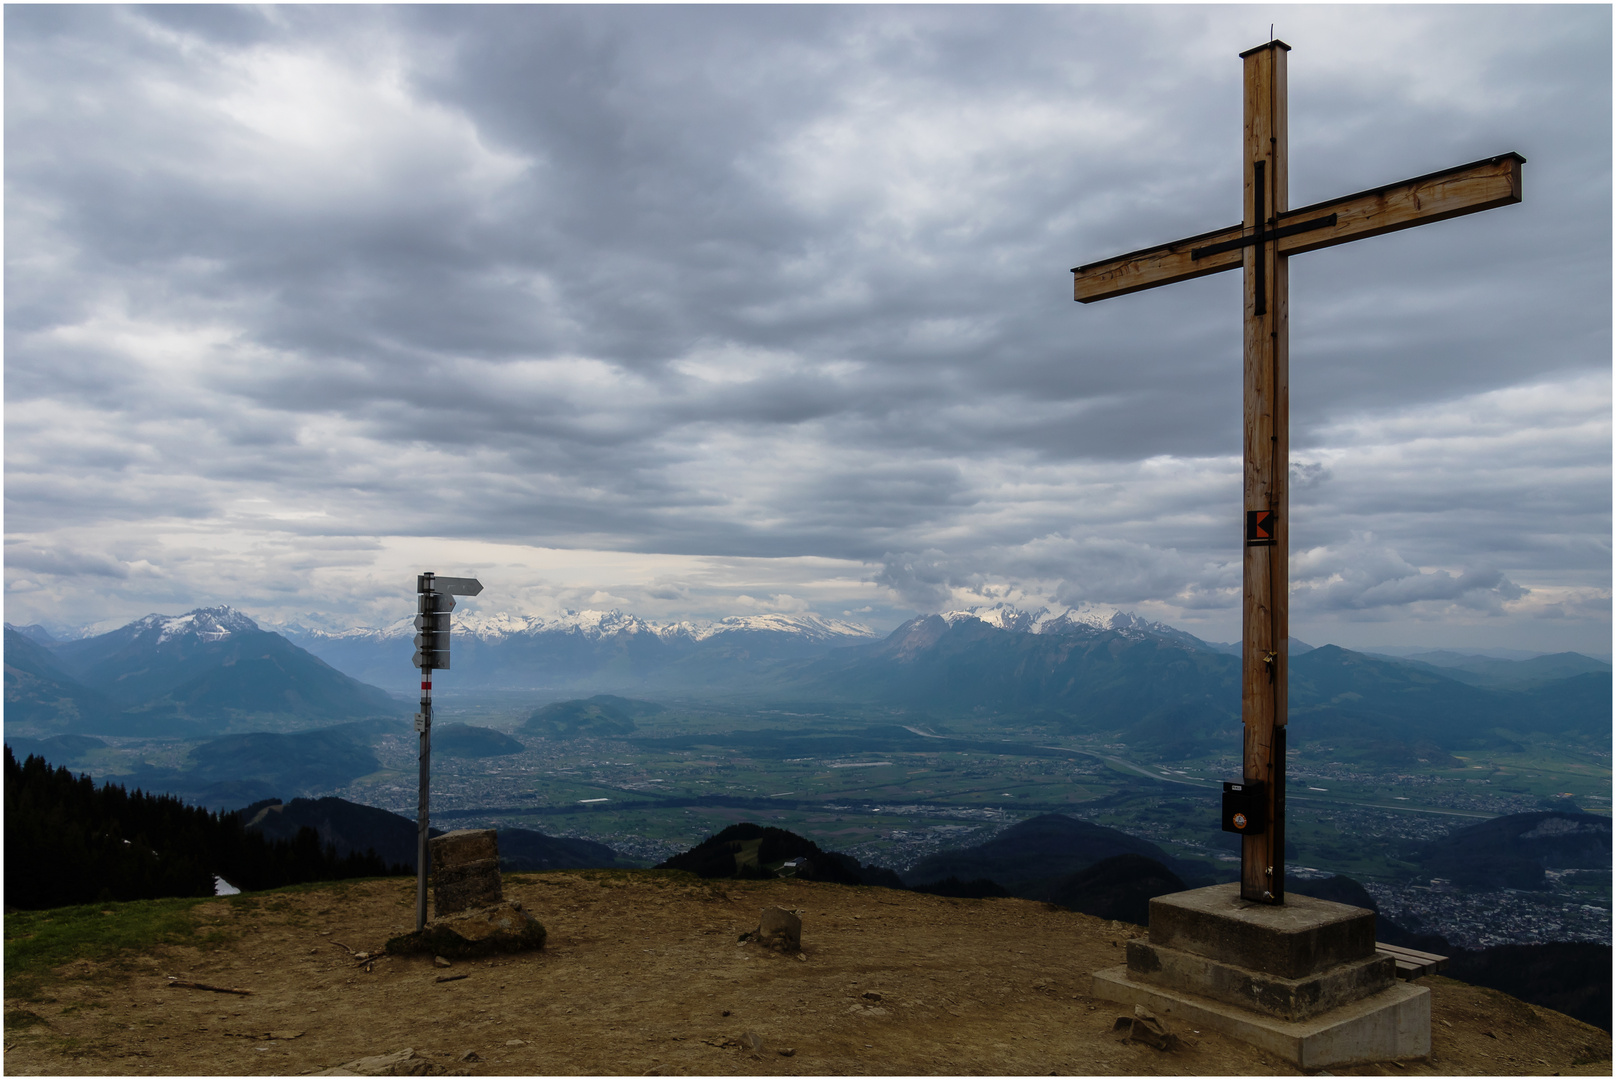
[(1301, 980), (1394, 1024)]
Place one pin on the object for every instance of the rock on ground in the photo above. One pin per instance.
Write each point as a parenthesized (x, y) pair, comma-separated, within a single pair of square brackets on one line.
[(498, 928), (400, 1063)]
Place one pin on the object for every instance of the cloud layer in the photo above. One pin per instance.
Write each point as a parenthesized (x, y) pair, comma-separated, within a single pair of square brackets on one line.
[(769, 306)]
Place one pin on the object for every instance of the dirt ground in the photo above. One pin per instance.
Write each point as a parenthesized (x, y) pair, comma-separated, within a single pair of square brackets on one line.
[(643, 975)]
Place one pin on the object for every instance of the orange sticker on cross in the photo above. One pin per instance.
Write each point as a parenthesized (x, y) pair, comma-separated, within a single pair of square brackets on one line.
[(1260, 527)]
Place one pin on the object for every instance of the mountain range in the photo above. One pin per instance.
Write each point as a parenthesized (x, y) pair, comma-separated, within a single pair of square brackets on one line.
[(352, 827), (236, 769), (1153, 686), (203, 673), (1513, 851), (1091, 671), (599, 650), (1032, 858)]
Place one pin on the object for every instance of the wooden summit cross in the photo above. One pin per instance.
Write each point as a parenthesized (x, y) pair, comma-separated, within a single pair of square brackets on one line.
[(1261, 244)]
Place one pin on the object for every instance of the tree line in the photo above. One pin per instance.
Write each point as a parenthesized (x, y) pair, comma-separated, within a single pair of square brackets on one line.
[(69, 841)]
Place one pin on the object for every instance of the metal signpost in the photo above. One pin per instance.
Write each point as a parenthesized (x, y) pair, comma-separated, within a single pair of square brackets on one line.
[(434, 600), (1269, 234)]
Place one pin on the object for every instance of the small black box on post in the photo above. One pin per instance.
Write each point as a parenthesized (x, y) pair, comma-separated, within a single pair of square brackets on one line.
[(1244, 808)]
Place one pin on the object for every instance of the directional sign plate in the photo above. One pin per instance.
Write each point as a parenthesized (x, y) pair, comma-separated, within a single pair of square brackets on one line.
[(459, 586)]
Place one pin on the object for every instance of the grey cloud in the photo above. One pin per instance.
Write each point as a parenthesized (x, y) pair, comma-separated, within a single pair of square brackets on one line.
[(1122, 572), (66, 562), (919, 580), (1307, 474), (1363, 576), (328, 264)]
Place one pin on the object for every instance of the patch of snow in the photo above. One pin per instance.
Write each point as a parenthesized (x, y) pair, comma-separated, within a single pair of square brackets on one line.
[(807, 625), (1085, 619), (207, 624), (595, 625)]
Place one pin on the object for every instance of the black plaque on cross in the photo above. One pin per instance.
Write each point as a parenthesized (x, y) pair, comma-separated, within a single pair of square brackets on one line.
[(1268, 235)]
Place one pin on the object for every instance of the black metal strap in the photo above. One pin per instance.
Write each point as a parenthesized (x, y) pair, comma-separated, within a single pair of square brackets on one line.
[(1259, 189), (1261, 235)]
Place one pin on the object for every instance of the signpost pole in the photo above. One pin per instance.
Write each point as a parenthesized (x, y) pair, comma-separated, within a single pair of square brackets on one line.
[(423, 724), (434, 600)]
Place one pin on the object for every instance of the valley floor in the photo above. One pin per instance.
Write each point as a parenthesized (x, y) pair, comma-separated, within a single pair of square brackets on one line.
[(643, 974)]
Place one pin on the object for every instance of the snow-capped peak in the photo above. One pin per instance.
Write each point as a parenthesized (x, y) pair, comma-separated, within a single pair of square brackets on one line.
[(1003, 616), (999, 615), (806, 625), (1096, 617), (1090, 618), (205, 624)]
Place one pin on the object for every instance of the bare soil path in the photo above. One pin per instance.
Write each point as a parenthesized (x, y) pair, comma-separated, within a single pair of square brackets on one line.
[(643, 975)]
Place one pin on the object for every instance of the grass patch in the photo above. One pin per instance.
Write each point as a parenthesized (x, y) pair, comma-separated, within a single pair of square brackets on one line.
[(37, 941), (18, 1019)]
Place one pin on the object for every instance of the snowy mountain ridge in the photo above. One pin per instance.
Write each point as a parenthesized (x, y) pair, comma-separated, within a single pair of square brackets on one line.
[(1088, 618), (592, 625), (203, 624)]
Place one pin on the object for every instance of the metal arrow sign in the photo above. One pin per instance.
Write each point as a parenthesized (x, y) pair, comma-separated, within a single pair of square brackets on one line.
[(459, 586)]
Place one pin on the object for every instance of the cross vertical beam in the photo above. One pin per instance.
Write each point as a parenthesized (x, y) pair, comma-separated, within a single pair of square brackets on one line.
[(1267, 459), (1268, 234)]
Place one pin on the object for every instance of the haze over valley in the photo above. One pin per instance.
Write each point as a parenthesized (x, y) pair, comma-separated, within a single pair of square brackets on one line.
[(648, 737)]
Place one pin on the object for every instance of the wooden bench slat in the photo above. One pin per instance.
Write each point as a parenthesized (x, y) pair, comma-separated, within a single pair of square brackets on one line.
[(1412, 954), (1412, 963)]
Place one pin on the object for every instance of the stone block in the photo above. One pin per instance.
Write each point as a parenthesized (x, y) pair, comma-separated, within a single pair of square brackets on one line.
[(464, 846), (465, 871), (1392, 1025), (779, 929), (1145, 1027), (1287, 999), (462, 888), (1292, 940)]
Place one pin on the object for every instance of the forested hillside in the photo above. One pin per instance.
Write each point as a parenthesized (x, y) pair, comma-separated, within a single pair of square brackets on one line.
[(69, 841)]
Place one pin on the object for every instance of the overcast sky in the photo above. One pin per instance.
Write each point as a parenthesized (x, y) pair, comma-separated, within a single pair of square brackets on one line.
[(706, 311)]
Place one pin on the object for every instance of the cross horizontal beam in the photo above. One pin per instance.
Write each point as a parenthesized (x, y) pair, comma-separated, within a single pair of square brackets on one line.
[(1463, 189)]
